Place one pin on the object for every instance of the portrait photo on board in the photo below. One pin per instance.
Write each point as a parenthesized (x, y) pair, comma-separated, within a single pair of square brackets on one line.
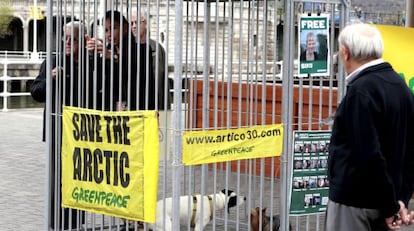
[(313, 46)]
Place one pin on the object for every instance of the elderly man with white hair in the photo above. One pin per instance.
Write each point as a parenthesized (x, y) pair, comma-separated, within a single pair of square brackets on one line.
[(371, 152), (68, 87), (158, 55)]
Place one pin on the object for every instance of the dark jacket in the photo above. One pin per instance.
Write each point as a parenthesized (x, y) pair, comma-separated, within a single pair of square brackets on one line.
[(371, 157), (142, 95), (111, 76), (69, 86), (163, 90), (125, 80)]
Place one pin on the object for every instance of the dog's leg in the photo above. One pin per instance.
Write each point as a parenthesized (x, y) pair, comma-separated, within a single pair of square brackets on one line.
[(206, 220), (168, 225)]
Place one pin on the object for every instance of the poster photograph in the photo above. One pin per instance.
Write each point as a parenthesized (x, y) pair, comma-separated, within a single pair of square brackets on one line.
[(313, 46)]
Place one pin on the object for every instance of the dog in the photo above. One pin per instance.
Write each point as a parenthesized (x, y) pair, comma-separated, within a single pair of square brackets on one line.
[(256, 215), (192, 213)]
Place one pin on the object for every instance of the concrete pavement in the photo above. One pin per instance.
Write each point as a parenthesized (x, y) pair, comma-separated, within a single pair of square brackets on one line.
[(22, 170)]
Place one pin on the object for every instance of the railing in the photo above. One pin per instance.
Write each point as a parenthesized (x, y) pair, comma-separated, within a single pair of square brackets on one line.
[(385, 18), (22, 55), (31, 2), (5, 78)]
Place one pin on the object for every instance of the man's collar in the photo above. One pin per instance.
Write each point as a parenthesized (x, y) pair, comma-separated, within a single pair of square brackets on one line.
[(353, 74)]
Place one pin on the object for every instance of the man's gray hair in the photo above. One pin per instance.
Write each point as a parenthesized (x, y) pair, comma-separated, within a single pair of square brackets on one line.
[(142, 14), (76, 25), (363, 41)]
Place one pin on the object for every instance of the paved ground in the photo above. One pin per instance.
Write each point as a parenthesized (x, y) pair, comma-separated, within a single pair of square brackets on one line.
[(22, 172)]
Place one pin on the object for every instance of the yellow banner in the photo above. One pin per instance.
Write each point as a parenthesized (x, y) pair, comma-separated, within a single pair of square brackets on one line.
[(203, 147), (398, 50), (108, 160)]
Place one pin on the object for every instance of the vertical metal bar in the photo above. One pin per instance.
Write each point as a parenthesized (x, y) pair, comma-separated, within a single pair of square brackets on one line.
[(310, 103), (273, 110), (215, 77), (409, 22), (264, 59), (216, 64), (5, 92), (240, 66), (255, 62), (157, 63), (242, 109), (189, 54), (333, 74), (287, 95), (263, 20), (176, 155), (239, 162), (249, 92), (229, 95), (81, 54), (206, 93), (206, 64), (130, 41), (147, 54), (72, 61), (223, 67), (112, 63), (167, 45), (87, 19), (48, 188), (57, 139), (190, 86), (344, 10)]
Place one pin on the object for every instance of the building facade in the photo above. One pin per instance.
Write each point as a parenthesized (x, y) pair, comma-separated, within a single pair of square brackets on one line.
[(28, 33)]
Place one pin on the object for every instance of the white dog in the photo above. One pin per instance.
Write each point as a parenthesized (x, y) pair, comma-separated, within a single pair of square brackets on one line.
[(193, 213)]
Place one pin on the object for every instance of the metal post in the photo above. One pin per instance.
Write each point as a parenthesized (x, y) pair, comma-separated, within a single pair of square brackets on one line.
[(206, 89), (49, 163), (177, 167), (287, 83), (409, 18), (5, 85)]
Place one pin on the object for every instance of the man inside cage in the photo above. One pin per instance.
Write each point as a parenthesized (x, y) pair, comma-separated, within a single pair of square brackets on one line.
[(121, 68), (158, 55), (67, 81)]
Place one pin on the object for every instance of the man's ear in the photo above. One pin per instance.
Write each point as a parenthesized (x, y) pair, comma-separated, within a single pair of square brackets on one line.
[(346, 54)]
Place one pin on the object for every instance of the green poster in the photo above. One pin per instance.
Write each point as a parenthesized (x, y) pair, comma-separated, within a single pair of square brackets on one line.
[(313, 45), (310, 185)]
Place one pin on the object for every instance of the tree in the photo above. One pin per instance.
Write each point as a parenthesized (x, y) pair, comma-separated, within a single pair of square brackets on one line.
[(6, 16)]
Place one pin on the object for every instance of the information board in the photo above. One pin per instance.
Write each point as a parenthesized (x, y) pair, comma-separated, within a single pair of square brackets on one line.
[(309, 182)]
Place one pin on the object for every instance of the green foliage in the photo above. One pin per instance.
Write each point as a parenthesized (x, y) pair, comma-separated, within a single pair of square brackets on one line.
[(6, 16)]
